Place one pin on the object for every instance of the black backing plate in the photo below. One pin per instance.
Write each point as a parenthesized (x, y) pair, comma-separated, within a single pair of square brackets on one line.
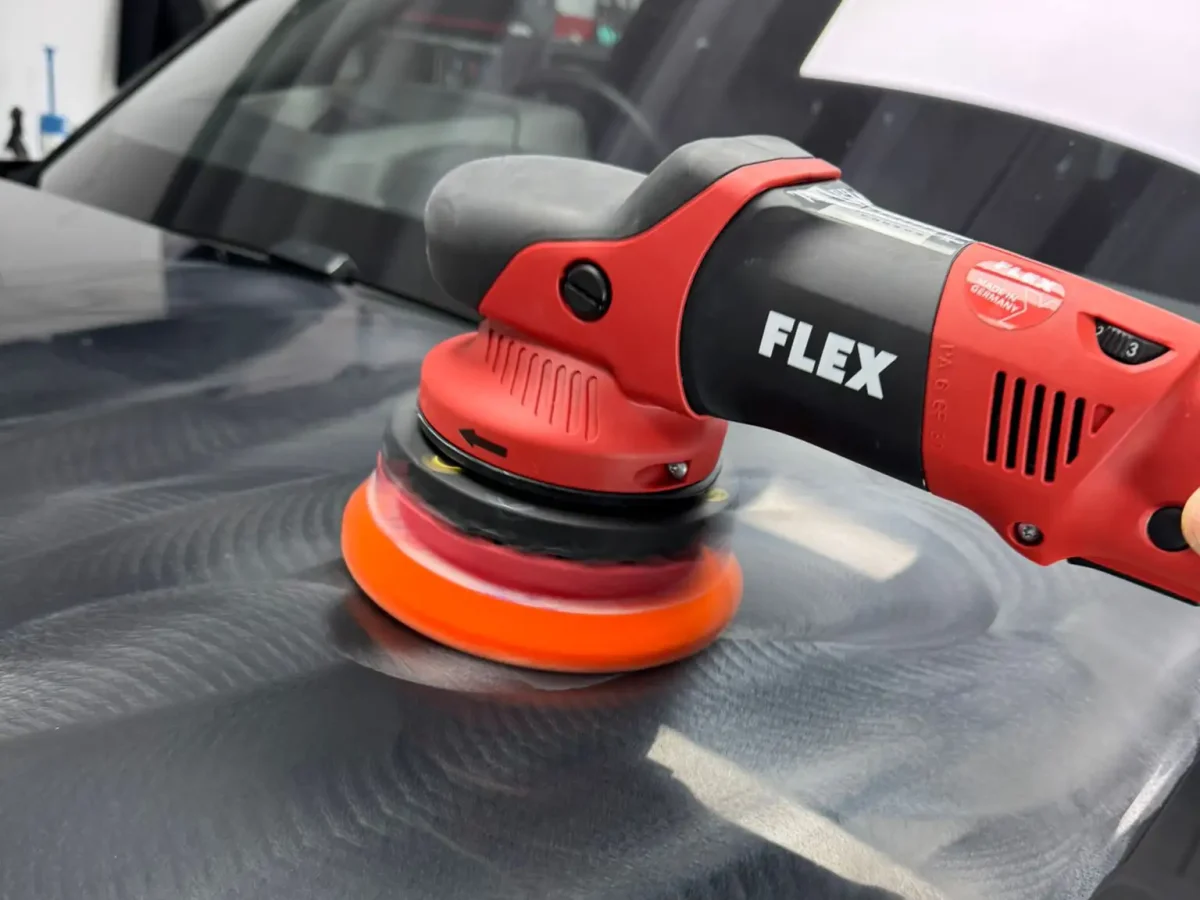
[(658, 503), (532, 523)]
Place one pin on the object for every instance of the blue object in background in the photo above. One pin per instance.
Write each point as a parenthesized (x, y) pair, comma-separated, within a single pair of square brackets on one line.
[(53, 127)]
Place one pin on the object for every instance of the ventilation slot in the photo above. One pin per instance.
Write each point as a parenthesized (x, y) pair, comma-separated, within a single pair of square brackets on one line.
[(1055, 437), (1076, 430), (1035, 429), (1014, 423), (1025, 429), (993, 441)]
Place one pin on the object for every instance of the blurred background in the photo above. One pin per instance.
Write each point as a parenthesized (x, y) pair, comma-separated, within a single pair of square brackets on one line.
[(94, 47), (61, 60)]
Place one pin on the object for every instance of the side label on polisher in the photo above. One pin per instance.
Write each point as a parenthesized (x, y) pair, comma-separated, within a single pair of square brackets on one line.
[(1006, 296), (832, 360)]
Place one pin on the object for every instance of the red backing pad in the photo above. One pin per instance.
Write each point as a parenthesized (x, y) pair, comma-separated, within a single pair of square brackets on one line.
[(397, 510)]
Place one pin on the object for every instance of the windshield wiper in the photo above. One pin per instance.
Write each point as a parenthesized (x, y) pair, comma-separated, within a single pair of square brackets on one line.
[(294, 254), (307, 259), (315, 259)]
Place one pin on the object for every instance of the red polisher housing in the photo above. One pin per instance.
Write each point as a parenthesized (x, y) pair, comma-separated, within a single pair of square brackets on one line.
[(542, 414)]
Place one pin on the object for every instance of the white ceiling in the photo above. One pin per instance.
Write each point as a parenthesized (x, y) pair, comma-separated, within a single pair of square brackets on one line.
[(1123, 71)]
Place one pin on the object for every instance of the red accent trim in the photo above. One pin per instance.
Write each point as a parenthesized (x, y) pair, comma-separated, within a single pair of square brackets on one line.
[(595, 406), (416, 17), (567, 27), (1140, 425)]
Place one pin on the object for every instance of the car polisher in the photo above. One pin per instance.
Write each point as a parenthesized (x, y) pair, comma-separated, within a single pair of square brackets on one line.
[(551, 495)]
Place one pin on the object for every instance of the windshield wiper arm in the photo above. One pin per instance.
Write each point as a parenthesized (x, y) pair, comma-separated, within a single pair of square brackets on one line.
[(295, 254), (314, 259)]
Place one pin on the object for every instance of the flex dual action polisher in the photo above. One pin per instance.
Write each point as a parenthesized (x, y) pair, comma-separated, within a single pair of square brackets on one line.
[(551, 495)]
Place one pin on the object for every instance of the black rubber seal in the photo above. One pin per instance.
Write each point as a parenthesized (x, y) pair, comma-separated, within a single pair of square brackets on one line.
[(575, 530)]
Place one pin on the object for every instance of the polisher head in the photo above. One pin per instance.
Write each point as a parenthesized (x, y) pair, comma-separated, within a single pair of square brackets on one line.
[(535, 575)]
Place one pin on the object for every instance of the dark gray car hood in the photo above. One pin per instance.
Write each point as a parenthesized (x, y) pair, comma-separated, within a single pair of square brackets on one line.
[(195, 702)]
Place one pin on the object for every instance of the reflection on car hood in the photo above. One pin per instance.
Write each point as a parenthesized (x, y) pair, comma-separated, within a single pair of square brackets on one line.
[(195, 701)]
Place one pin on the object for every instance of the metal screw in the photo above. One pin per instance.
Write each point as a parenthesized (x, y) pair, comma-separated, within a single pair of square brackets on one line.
[(585, 290), (678, 470), (1028, 534)]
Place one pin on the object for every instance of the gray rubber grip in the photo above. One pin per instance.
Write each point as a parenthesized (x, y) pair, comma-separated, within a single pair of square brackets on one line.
[(480, 215)]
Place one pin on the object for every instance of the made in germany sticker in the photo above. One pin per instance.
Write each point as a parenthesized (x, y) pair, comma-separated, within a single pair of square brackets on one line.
[(1006, 296)]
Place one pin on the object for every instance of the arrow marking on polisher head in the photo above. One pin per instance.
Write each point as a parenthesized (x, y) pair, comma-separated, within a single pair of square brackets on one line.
[(476, 440)]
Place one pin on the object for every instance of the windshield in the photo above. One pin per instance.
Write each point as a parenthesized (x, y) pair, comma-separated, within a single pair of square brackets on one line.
[(331, 120)]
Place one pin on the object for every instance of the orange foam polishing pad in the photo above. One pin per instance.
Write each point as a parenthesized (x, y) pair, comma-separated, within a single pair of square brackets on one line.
[(584, 632)]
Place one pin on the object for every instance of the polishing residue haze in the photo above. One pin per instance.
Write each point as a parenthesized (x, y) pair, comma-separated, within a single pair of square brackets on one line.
[(813, 526), (372, 638), (739, 797)]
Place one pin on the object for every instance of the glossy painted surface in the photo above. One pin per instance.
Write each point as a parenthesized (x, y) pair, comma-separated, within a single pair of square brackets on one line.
[(195, 701)]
